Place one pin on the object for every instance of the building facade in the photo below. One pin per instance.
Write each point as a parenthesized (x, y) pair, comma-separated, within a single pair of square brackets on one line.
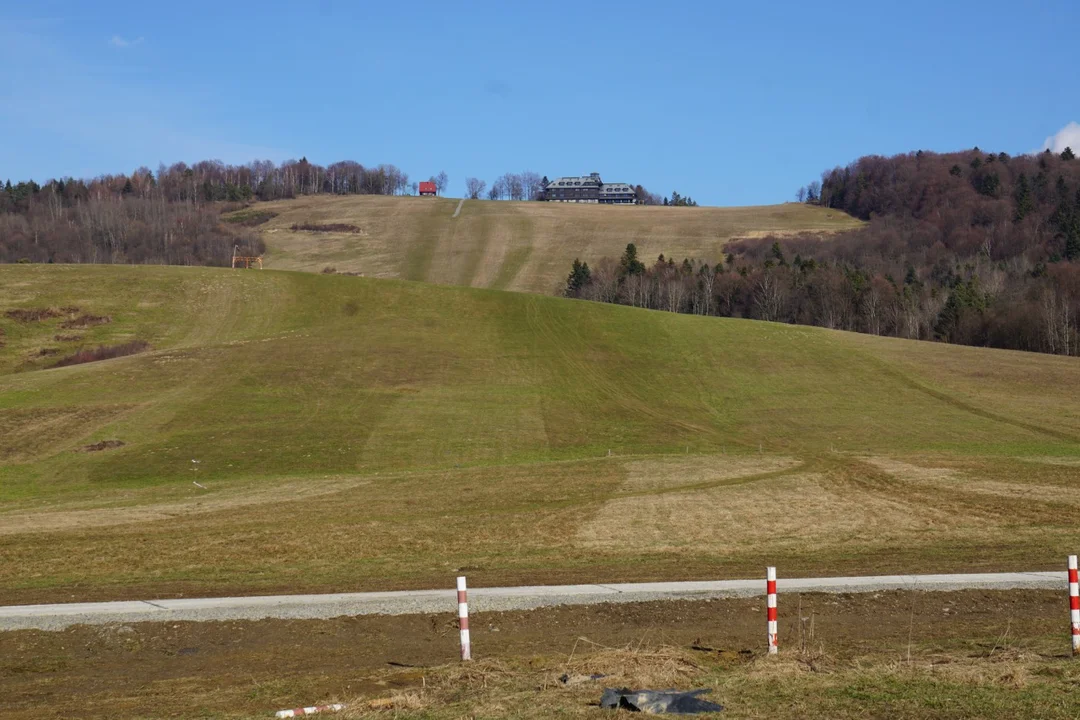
[(589, 189)]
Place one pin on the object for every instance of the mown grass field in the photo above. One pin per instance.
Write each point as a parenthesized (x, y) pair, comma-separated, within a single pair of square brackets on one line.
[(507, 245), (354, 433)]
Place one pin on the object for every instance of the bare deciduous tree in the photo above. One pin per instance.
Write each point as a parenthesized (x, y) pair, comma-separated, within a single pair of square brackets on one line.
[(474, 188), (769, 296), (441, 182), (511, 186), (531, 185)]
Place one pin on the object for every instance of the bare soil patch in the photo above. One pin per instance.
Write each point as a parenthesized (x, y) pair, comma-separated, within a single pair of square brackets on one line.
[(103, 445)]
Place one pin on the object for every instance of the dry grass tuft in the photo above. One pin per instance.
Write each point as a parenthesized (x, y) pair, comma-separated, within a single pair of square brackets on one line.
[(394, 703), (632, 666)]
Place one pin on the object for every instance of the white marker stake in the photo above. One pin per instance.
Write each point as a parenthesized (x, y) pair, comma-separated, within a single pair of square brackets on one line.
[(1074, 605), (770, 613), (463, 618), (313, 710)]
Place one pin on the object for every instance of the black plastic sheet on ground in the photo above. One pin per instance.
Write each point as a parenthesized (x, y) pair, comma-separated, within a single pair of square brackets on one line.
[(657, 702)]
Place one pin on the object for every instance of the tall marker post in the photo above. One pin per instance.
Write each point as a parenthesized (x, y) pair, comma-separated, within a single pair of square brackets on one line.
[(463, 618), (1074, 605), (770, 588)]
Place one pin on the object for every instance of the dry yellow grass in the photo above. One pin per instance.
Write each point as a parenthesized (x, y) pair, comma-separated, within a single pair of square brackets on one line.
[(956, 481), (675, 472), (780, 514), (200, 501), (509, 245)]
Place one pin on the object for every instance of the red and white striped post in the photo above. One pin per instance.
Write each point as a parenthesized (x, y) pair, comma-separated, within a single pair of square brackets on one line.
[(463, 618), (1074, 605), (770, 588)]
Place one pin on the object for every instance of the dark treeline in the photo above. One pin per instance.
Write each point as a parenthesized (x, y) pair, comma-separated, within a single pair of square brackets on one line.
[(969, 248), (171, 216)]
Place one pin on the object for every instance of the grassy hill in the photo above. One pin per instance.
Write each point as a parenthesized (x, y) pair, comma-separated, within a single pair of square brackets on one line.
[(358, 433), (506, 245)]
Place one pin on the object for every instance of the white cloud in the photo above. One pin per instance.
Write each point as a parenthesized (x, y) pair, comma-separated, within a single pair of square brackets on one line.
[(1067, 137), (121, 42)]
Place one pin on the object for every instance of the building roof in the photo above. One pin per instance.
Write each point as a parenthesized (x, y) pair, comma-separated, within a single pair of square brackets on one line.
[(592, 180), (427, 186)]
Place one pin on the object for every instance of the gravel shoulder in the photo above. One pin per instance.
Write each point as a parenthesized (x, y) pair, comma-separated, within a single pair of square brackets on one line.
[(418, 602)]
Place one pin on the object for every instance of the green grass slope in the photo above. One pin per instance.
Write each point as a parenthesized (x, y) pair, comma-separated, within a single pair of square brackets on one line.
[(508, 245), (351, 432)]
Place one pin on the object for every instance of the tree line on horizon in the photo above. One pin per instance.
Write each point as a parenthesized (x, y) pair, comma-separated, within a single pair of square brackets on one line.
[(172, 215), (970, 248)]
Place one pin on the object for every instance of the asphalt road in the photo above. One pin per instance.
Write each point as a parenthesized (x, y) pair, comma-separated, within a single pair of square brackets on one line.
[(408, 602)]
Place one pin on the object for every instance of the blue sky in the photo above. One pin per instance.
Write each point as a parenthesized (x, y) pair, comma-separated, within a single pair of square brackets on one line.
[(731, 103)]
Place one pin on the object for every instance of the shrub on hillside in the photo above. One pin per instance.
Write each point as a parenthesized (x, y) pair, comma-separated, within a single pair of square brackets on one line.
[(325, 227), (251, 218), (81, 322), (104, 352)]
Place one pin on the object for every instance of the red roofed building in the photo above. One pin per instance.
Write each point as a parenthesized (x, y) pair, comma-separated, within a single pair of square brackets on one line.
[(428, 188)]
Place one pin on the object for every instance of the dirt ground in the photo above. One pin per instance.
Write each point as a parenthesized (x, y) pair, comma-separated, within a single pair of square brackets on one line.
[(250, 669)]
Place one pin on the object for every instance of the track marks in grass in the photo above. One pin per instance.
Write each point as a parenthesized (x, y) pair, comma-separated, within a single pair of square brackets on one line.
[(28, 433), (957, 482), (200, 502), (908, 381), (781, 513), (557, 334), (831, 502), (512, 265)]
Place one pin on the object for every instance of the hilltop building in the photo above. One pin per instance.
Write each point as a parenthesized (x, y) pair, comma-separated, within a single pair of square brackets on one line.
[(589, 189), (428, 188)]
